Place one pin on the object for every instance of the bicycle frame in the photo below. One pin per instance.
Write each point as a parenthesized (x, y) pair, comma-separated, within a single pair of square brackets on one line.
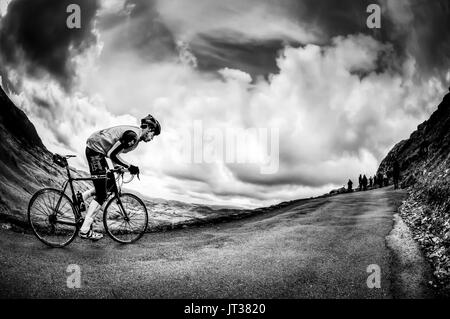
[(69, 182)]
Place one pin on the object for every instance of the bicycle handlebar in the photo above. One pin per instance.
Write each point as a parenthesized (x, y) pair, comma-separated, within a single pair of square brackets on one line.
[(117, 170), (122, 170)]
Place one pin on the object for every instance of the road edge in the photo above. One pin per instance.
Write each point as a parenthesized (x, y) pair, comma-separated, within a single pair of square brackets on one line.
[(410, 270)]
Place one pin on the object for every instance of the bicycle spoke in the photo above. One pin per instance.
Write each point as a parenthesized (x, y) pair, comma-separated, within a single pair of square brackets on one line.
[(47, 205), (129, 227), (61, 208), (58, 202), (41, 220), (122, 223), (119, 212), (132, 230), (45, 209), (42, 205), (43, 212), (52, 202), (133, 213), (134, 223), (118, 225)]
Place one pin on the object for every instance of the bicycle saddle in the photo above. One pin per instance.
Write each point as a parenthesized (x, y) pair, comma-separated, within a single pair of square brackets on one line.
[(60, 160)]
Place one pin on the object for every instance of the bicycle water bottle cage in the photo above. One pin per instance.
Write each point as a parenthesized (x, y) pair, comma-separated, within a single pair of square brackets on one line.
[(59, 160)]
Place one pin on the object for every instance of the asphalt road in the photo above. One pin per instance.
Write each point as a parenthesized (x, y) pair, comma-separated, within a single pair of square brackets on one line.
[(319, 248)]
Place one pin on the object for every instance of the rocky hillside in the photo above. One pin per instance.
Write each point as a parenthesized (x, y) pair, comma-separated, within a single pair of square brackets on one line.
[(427, 147), (424, 161), (25, 163)]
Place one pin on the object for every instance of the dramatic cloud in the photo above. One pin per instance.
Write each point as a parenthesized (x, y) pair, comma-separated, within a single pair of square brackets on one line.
[(34, 37), (334, 128), (329, 130), (234, 19), (423, 28), (414, 27), (235, 34), (137, 26), (247, 35)]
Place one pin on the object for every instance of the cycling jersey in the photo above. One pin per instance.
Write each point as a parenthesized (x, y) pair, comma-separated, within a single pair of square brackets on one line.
[(115, 140)]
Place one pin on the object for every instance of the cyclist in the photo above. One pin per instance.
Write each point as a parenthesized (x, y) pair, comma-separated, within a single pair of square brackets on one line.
[(110, 143)]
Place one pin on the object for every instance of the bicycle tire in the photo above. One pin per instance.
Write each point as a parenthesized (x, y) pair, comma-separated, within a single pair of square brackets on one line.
[(37, 228), (108, 215)]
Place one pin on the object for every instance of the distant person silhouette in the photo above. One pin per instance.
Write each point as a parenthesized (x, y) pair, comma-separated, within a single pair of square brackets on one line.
[(350, 186), (364, 182), (396, 173)]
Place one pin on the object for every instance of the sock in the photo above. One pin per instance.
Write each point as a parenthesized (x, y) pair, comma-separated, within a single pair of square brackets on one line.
[(89, 219)]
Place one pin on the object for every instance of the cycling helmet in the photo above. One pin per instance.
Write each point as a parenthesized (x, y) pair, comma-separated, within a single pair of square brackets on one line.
[(151, 122)]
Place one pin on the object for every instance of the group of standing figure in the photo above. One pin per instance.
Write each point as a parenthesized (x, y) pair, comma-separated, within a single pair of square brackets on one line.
[(378, 180)]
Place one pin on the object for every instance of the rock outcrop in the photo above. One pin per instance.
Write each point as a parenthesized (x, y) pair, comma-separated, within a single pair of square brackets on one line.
[(427, 147), (424, 161), (25, 163)]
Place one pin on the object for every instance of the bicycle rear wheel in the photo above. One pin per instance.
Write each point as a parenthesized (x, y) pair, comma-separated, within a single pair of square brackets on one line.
[(52, 217), (125, 218)]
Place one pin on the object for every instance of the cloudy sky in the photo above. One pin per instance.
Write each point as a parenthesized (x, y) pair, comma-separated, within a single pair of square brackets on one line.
[(331, 95)]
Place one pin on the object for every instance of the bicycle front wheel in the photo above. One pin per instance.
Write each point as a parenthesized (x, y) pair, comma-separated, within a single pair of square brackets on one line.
[(125, 218), (51, 216)]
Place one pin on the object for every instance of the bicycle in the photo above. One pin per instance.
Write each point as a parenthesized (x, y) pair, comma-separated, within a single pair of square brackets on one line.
[(56, 219)]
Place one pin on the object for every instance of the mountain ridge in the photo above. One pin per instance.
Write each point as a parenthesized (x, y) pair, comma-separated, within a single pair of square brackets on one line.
[(427, 146), (26, 165)]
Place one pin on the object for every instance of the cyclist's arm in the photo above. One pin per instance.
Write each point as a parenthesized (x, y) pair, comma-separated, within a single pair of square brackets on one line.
[(128, 139), (114, 155)]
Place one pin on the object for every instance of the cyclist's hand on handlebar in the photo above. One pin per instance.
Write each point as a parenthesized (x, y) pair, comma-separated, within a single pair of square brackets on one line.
[(134, 170), (119, 169)]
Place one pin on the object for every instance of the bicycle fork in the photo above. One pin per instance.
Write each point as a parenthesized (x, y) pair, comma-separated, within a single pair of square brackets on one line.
[(122, 210)]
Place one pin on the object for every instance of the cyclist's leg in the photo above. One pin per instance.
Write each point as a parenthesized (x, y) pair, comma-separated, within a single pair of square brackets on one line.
[(90, 215), (87, 194), (97, 166)]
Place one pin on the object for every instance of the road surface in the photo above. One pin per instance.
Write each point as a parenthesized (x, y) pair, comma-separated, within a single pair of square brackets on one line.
[(319, 248)]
